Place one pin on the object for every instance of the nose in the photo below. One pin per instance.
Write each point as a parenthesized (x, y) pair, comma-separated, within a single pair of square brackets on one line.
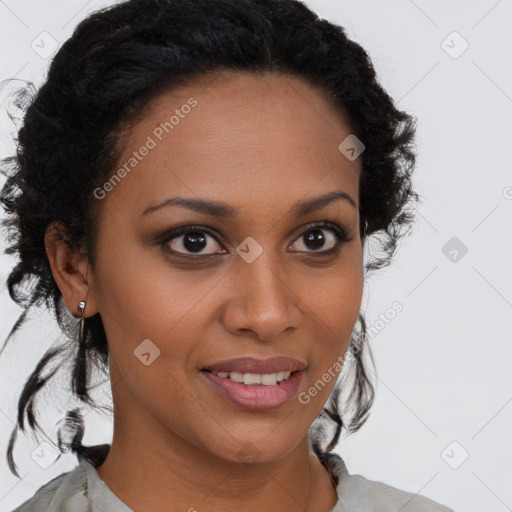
[(262, 303)]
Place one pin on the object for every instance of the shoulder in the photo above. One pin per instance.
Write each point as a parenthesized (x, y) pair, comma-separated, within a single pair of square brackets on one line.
[(64, 493), (356, 492), (377, 496)]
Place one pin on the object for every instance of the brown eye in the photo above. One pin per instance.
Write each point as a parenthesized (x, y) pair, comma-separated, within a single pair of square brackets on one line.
[(194, 242), (325, 238), (198, 241)]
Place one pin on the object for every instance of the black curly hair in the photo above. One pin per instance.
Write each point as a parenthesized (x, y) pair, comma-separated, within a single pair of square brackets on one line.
[(101, 80)]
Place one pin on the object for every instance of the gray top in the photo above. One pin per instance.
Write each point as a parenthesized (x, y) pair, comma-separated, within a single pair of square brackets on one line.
[(82, 490)]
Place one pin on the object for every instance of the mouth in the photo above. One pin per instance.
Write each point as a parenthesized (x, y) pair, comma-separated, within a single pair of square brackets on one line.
[(255, 379), (255, 391)]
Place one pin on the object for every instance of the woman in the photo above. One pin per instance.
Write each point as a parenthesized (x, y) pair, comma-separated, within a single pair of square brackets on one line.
[(197, 182)]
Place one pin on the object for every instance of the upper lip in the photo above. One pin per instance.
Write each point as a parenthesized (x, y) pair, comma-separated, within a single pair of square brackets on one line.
[(257, 366)]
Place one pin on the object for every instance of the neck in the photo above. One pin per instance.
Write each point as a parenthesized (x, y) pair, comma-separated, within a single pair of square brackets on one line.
[(178, 476)]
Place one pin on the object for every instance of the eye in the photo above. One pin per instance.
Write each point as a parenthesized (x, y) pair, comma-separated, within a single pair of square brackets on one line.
[(193, 241), (199, 241), (314, 238)]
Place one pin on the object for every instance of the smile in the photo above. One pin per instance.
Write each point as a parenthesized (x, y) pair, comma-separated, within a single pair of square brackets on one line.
[(253, 391), (256, 379)]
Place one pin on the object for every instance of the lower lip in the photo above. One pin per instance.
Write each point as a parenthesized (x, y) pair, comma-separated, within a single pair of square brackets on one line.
[(257, 397)]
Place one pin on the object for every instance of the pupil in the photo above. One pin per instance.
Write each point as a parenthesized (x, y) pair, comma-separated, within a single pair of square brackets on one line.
[(316, 238), (191, 240)]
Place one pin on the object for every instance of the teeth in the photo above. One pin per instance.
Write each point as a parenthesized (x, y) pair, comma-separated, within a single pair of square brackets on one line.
[(252, 378), (237, 377), (267, 379)]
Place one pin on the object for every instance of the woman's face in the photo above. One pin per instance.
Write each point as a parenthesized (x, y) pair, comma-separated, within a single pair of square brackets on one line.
[(261, 282)]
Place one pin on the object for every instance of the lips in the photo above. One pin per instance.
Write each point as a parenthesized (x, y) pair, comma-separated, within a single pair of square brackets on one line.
[(255, 398), (257, 366)]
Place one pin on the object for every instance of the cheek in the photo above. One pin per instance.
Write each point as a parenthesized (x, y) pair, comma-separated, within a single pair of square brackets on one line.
[(149, 307), (335, 296), (334, 301), (142, 292), (334, 315)]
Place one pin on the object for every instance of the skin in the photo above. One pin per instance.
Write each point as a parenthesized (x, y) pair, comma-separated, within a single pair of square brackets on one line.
[(259, 143)]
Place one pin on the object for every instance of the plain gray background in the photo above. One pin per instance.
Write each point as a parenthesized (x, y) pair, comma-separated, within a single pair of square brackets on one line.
[(440, 425)]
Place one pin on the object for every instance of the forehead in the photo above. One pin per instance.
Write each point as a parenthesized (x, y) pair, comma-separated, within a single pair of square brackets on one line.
[(239, 137)]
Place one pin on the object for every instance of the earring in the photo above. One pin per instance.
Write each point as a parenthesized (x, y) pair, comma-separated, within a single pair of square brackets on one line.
[(81, 308)]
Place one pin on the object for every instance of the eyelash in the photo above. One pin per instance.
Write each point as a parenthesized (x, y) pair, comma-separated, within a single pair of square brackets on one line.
[(340, 233)]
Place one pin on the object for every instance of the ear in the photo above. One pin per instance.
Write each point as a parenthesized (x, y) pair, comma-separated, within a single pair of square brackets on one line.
[(70, 270)]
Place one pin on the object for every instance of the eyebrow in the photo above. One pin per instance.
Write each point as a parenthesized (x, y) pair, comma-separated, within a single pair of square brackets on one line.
[(219, 209)]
